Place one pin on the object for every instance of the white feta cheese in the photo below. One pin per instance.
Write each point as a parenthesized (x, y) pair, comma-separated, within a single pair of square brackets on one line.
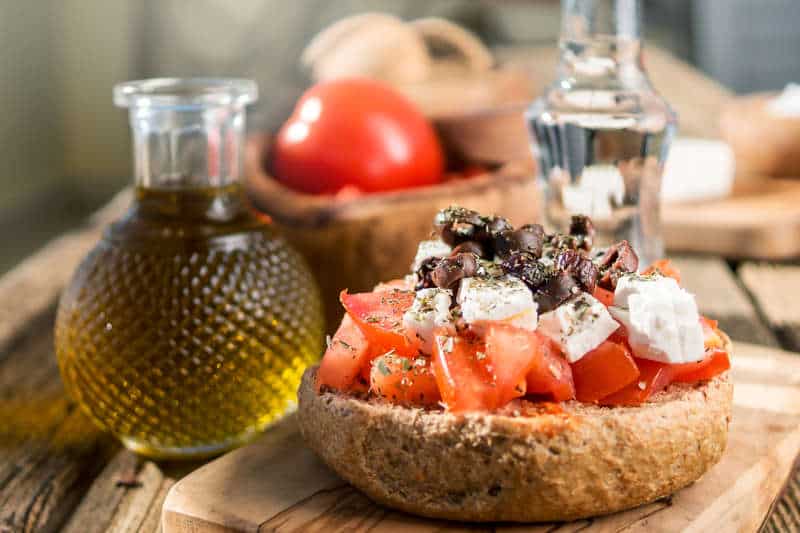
[(431, 309), (660, 317), (506, 299), (579, 325), (428, 249)]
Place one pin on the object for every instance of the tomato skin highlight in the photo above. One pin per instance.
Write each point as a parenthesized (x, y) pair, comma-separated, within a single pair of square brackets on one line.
[(344, 359), (653, 377), (550, 374), (464, 381), (356, 132), (511, 352), (379, 315), (715, 363), (603, 371), (665, 268), (404, 381)]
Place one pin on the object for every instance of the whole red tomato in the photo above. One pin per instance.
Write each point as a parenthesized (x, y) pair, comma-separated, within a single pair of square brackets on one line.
[(356, 132)]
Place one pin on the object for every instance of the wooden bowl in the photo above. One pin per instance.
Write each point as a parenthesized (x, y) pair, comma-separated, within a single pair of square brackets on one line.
[(355, 243), (763, 143)]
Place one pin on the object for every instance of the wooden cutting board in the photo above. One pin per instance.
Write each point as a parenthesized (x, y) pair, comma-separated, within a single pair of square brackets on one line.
[(761, 219), (277, 484)]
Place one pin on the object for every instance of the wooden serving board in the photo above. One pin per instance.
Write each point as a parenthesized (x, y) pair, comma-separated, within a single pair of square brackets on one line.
[(760, 220), (277, 484)]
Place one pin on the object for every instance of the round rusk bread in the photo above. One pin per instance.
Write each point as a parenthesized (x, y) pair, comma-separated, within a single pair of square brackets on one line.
[(528, 463)]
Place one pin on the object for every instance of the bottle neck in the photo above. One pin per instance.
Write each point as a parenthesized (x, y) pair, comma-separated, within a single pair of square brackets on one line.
[(195, 147), (601, 44)]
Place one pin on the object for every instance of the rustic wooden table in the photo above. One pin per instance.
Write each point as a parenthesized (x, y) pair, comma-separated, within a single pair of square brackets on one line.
[(58, 471)]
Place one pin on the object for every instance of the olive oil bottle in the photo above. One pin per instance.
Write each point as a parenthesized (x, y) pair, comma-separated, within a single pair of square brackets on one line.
[(185, 331)]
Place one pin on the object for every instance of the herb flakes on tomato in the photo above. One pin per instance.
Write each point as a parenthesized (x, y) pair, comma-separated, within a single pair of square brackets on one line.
[(462, 374), (379, 315)]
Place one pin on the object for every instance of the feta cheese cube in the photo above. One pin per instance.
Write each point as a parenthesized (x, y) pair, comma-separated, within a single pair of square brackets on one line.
[(430, 309), (428, 249), (660, 317), (505, 299), (579, 325)]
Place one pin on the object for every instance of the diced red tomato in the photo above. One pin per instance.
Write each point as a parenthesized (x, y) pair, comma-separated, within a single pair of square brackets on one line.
[(653, 377), (605, 296), (464, 381), (716, 362), (379, 315), (347, 354), (603, 371), (551, 373), (711, 337), (404, 380), (511, 352), (665, 268)]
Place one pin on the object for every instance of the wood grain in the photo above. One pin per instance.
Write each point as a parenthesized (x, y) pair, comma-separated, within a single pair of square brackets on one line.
[(276, 484), (49, 450)]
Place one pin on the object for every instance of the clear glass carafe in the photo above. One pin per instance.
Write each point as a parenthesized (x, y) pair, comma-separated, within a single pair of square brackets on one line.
[(600, 131), (186, 329)]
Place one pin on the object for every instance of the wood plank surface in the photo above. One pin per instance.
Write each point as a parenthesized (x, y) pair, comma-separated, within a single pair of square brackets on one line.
[(774, 289), (49, 450), (278, 485)]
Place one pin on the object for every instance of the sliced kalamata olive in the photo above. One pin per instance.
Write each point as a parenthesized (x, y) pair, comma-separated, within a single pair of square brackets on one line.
[(471, 247), (556, 290), (427, 266), (457, 224), (492, 227), (528, 238), (618, 260), (525, 267), (582, 227), (451, 270), (579, 267)]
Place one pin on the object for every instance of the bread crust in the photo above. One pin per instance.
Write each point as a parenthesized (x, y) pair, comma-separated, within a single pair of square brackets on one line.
[(527, 464)]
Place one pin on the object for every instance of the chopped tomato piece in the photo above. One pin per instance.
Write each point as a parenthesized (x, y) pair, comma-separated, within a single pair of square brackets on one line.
[(550, 373), (605, 296), (603, 371), (404, 380), (653, 377), (715, 363), (712, 339), (464, 381), (379, 315), (345, 357), (665, 268), (511, 352)]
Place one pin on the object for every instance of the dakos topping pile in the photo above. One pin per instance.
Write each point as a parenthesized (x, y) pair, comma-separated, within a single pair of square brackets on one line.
[(493, 313)]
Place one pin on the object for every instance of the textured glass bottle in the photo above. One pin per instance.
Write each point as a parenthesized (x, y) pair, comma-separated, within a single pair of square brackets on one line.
[(601, 132), (185, 331)]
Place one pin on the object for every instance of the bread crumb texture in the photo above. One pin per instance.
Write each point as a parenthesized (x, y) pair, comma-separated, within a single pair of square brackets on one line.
[(543, 465)]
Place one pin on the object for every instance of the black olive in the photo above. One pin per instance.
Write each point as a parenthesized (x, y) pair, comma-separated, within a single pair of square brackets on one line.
[(558, 289), (471, 247), (619, 259), (579, 267), (582, 228), (451, 270)]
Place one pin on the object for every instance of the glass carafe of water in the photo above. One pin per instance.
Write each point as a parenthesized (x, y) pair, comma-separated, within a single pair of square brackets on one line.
[(600, 131)]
